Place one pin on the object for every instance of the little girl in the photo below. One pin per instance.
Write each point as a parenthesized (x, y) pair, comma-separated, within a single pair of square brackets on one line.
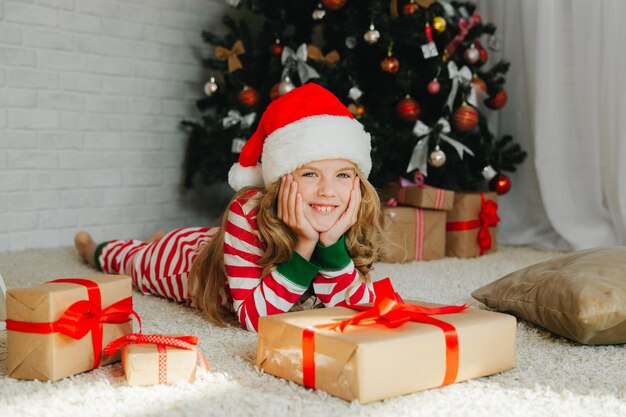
[(302, 230)]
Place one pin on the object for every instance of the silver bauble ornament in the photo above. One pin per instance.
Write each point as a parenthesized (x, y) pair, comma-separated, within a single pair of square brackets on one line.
[(211, 87), (472, 55), (285, 86), (319, 13), (437, 158), (355, 93), (371, 36), (488, 172), (351, 42)]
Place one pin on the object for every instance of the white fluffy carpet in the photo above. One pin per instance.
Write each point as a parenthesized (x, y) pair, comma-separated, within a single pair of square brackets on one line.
[(554, 377)]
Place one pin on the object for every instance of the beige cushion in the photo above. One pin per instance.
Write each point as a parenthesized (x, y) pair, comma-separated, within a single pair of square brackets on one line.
[(581, 296)]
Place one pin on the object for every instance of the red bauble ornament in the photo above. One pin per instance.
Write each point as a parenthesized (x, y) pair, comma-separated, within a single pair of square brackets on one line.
[(483, 55), (390, 65), (498, 101), (334, 4), (276, 49), (248, 96), (408, 110), (274, 94), (410, 8), (501, 184), (478, 83), (433, 87), (465, 118)]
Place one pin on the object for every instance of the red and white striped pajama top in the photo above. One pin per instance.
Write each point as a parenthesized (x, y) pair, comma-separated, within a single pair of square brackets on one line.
[(162, 267)]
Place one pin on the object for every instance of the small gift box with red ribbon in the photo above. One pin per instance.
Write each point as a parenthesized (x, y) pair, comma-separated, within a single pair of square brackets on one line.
[(150, 359), (388, 349), (418, 194), (59, 328), (413, 234), (471, 225)]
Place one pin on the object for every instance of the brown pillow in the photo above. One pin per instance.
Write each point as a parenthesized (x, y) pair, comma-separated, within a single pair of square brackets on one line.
[(581, 296)]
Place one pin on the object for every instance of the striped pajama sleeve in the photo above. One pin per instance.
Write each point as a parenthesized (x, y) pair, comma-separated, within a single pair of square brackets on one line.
[(255, 295), (338, 282), (160, 267)]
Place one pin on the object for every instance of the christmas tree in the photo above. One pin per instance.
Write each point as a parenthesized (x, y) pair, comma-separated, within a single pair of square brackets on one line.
[(414, 72)]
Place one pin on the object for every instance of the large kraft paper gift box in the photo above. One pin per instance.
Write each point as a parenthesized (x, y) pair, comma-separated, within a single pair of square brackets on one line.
[(150, 359), (371, 363), (420, 196), (471, 225), (413, 234), (59, 328)]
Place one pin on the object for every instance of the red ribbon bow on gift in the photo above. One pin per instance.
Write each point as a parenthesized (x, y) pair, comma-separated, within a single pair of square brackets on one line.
[(181, 342), (487, 217), (464, 28), (390, 311), (82, 317), (419, 181)]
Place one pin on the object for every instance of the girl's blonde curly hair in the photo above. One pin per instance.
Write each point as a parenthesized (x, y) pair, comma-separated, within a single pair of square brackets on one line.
[(207, 278)]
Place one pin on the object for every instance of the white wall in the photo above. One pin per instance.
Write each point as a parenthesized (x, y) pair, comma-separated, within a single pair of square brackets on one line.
[(91, 94)]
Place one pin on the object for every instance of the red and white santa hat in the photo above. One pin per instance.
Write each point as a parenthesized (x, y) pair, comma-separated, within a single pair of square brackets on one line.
[(307, 124)]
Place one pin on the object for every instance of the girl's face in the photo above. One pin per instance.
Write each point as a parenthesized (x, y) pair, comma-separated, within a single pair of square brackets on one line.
[(325, 187)]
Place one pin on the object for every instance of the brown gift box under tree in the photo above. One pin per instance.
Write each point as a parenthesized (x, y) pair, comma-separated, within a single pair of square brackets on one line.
[(422, 197), (372, 363), (413, 234), (49, 354), (466, 213)]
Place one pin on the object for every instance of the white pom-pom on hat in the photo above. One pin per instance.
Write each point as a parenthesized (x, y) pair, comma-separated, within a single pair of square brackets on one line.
[(239, 177)]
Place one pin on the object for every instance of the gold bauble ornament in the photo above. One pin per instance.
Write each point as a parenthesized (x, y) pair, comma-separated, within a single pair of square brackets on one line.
[(357, 110), (390, 65), (439, 23)]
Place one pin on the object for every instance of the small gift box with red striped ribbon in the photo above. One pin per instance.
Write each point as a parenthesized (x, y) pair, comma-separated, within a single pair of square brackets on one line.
[(388, 349), (59, 328), (413, 234), (418, 194), (471, 225), (150, 359)]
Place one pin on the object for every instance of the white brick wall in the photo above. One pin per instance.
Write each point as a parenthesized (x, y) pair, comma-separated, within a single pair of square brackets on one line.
[(91, 95)]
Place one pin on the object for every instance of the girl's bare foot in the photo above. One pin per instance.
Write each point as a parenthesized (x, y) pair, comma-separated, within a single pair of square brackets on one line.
[(157, 235), (85, 246)]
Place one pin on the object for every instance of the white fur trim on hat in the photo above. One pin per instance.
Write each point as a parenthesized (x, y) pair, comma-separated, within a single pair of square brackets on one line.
[(239, 177), (312, 139)]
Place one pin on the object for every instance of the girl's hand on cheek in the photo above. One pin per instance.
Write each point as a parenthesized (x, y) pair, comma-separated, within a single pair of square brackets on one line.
[(347, 219), (290, 211)]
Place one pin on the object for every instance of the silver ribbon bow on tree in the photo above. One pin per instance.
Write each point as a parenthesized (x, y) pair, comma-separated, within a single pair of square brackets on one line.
[(447, 7), (419, 157), (234, 117), (463, 75), (305, 71)]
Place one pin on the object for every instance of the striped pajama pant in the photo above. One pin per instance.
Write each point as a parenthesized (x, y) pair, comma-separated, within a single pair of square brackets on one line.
[(160, 267)]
